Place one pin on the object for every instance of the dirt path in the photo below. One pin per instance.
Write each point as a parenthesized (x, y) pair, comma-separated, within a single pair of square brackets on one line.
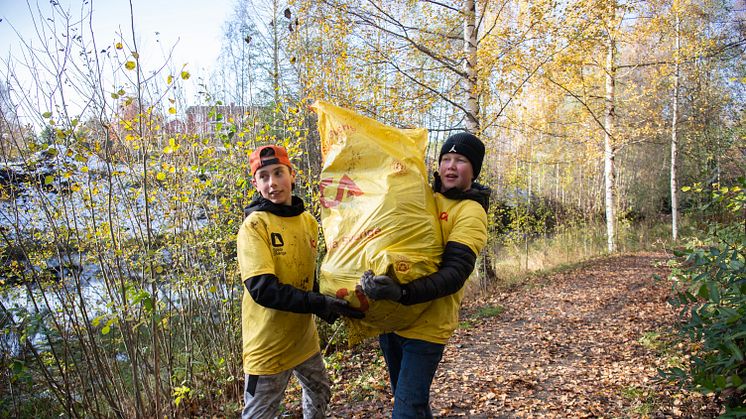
[(581, 343)]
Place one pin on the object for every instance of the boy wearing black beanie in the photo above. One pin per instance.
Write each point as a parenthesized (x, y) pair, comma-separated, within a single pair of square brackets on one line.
[(413, 354)]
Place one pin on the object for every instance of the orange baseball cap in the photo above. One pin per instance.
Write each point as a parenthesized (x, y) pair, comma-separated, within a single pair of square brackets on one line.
[(268, 155)]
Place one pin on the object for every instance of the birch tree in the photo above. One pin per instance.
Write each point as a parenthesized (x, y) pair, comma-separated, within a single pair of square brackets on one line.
[(686, 46), (238, 59), (674, 124), (471, 85), (598, 49), (609, 129)]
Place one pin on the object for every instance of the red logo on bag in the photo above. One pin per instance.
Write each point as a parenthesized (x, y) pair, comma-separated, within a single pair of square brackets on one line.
[(443, 216), (361, 297), (345, 185)]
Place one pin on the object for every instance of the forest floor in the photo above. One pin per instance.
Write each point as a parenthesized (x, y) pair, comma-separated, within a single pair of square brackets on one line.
[(584, 342)]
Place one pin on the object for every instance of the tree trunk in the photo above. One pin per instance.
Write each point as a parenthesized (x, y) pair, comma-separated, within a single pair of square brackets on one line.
[(674, 134), (275, 54), (472, 101), (470, 67), (609, 152)]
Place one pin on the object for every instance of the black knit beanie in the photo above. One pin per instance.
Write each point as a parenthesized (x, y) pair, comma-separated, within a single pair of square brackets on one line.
[(469, 146)]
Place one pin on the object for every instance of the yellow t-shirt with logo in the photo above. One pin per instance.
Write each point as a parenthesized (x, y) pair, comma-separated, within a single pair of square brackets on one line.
[(461, 221), (276, 340)]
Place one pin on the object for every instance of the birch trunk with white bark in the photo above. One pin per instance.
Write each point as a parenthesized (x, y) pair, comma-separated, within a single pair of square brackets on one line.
[(609, 150), (674, 135), (470, 67)]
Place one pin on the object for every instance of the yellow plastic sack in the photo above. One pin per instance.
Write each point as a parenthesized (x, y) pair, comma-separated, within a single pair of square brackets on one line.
[(378, 213)]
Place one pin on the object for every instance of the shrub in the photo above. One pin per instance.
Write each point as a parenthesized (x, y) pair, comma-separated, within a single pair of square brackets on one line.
[(711, 298)]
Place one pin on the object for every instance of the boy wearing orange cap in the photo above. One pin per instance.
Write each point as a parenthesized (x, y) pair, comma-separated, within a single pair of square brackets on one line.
[(277, 249)]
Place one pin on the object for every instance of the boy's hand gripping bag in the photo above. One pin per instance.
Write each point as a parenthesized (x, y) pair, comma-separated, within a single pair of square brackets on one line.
[(377, 213)]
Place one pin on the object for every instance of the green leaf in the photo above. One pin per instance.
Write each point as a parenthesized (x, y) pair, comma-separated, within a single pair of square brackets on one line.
[(731, 315), (106, 330), (735, 350), (713, 291), (48, 179), (703, 291)]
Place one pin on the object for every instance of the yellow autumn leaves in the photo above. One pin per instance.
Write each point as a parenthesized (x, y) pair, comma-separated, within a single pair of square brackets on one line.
[(131, 64)]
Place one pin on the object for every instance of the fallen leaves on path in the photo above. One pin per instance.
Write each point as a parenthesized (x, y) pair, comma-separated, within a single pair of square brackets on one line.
[(570, 347)]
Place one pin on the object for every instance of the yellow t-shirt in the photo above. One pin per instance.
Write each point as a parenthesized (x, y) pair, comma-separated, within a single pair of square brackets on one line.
[(275, 340), (461, 221)]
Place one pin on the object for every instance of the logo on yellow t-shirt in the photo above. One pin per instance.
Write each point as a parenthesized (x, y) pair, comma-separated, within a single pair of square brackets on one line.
[(278, 244)]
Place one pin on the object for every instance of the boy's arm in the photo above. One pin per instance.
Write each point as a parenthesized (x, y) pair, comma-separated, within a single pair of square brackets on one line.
[(268, 291), (456, 265)]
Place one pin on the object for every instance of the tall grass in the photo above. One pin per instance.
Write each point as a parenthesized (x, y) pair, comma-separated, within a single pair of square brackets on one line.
[(570, 244)]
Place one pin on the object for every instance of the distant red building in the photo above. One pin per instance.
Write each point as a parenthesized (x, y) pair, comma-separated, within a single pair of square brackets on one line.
[(203, 119), (175, 126)]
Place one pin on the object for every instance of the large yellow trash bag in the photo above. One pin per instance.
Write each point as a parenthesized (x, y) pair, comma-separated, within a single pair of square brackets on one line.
[(378, 213)]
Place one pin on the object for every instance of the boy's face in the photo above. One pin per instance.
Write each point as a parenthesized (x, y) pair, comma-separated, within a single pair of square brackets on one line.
[(455, 172), (275, 182)]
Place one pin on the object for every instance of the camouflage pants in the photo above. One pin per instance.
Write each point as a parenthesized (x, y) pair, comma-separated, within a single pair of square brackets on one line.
[(263, 393)]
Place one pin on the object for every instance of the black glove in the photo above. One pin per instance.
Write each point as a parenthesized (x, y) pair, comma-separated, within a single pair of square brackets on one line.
[(380, 287), (333, 307)]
